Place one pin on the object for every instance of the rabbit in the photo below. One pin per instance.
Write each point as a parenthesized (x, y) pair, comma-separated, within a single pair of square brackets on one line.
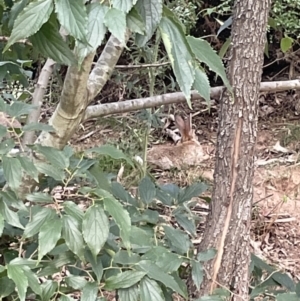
[(187, 152)]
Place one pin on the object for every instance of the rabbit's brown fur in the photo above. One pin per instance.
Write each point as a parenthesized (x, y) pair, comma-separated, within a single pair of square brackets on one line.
[(187, 152)]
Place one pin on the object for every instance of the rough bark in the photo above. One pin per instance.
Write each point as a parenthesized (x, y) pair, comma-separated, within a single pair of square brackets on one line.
[(228, 225)]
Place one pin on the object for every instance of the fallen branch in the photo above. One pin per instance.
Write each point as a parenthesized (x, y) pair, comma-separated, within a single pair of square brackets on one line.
[(177, 97)]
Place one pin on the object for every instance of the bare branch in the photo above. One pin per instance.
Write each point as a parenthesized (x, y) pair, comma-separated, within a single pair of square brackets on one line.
[(149, 102)]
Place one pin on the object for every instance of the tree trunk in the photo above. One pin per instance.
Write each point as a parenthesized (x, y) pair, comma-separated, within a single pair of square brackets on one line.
[(228, 224)]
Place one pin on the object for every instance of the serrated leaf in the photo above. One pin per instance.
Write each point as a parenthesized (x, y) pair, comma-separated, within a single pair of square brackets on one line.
[(178, 240), (150, 290), (286, 44), (90, 292), (50, 43), (287, 297), (11, 217), (205, 53), (147, 190), (39, 197), (72, 16), (151, 12), (186, 221), (7, 287), (115, 20), (19, 108), (51, 171), (24, 262), (129, 294), (15, 10), (6, 146), (73, 210), (38, 219), (17, 275), (1, 224), (66, 298), (123, 5), (163, 258), (135, 22), (33, 281), (123, 257), (30, 20), (201, 84), (111, 151), (76, 282), (123, 280), (37, 126), (189, 192), (29, 167), (154, 272), (284, 280), (49, 234), (120, 193), (96, 29), (96, 264), (297, 289), (206, 255), (49, 287), (179, 54), (95, 228), (54, 156), (121, 217), (3, 131), (12, 171), (72, 235), (197, 273)]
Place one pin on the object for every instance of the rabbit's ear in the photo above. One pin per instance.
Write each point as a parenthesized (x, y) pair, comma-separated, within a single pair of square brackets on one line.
[(189, 126), (184, 128)]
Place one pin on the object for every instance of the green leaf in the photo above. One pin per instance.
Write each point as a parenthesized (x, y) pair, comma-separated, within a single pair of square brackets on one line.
[(186, 221), (17, 275), (129, 294), (154, 272), (50, 43), (3, 131), (30, 20), (287, 297), (150, 12), (37, 126), (197, 273), (201, 84), (120, 193), (115, 20), (95, 228), (11, 217), (49, 287), (38, 219), (51, 171), (12, 171), (7, 287), (111, 151), (49, 234), (189, 192), (95, 263), (123, 257), (178, 240), (72, 16), (286, 44), (150, 290), (72, 209), (123, 5), (206, 255), (179, 54), (72, 235), (284, 280), (66, 298), (121, 217), (76, 282), (205, 53), (15, 11), (163, 258), (54, 156), (297, 289), (90, 292), (96, 29), (135, 22), (33, 281), (147, 190), (123, 280), (19, 108), (1, 224), (29, 167), (6, 146), (39, 197)]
